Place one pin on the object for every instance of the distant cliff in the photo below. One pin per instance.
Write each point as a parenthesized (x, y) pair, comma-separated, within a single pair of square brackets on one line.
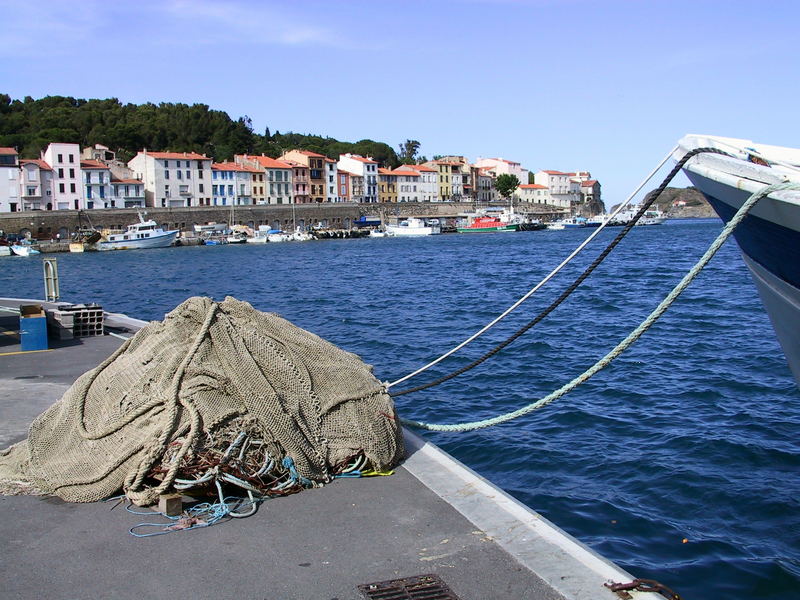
[(683, 203)]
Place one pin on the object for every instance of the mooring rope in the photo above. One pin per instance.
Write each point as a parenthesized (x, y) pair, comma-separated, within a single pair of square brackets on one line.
[(547, 278), (632, 337), (574, 285)]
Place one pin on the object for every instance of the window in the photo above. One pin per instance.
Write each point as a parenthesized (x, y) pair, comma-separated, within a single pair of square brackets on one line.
[(166, 174), (31, 191), (200, 186), (72, 188), (188, 173), (60, 173), (180, 176), (88, 191), (61, 158), (72, 158)]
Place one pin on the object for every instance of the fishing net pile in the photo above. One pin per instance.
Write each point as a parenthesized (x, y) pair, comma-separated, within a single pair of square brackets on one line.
[(218, 393)]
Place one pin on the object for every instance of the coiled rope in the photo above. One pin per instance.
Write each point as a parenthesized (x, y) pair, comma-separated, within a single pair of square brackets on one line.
[(632, 337), (571, 288)]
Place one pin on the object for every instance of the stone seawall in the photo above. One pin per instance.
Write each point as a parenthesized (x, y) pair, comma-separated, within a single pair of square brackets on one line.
[(48, 224)]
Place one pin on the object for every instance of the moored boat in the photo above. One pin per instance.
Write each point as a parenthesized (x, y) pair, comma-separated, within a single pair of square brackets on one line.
[(769, 237), (141, 235), (23, 250), (413, 227), (487, 224)]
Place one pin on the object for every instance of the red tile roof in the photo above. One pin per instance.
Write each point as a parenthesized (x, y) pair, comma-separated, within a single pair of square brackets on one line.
[(421, 168), (556, 173), (92, 164), (136, 181), (309, 153), (36, 161), (406, 172), (229, 166), (533, 186), (178, 155), (383, 171), (8, 151), (588, 183), (361, 159), (267, 162)]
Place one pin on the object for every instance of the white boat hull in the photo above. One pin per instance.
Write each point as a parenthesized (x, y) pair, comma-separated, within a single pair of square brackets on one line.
[(156, 241), (23, 250), (769, 236)]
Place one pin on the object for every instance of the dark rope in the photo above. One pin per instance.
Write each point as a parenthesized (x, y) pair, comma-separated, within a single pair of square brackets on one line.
[(573, 286)]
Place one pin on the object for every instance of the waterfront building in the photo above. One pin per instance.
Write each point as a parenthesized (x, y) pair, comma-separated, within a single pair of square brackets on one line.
[(387, 185), (96, 184), (36, 185), (367, 170), (533, 193), (173, 179), (483, 190), (231, 184), (428, 181), (591, 197), (444, 178), (64, 159), (343, 184), (277, 174), (408, 186), (127, 193), (565, 188), (501, 166), (331, 176), (9, 181), (300, 189), (314, 172)]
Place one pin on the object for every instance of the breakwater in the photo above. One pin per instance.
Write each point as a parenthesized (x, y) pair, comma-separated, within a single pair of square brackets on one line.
[(62, 223)]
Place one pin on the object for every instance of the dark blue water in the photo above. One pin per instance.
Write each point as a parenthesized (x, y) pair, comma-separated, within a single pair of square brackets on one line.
[(691, 435)]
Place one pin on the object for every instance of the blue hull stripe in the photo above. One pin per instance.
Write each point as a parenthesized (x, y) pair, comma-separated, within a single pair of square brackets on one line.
[(774, 247)]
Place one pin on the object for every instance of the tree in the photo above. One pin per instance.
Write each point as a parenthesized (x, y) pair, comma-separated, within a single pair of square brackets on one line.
[(506, 184), (408, 152)]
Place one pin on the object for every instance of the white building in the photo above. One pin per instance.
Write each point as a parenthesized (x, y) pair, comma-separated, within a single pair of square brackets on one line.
[(64, 159), (231, 184), (173, 179), (428, 181), (36, 184), (409, 187), (501, 166), (278, 176), (367, 169), (96, 184), (127, 193), (533, 193), (9, 181), (565, 188), (331, 177), (484, 185)]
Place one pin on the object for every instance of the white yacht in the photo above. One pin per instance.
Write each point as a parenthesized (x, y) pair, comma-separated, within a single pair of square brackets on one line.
[(413, 226), (144, 234)]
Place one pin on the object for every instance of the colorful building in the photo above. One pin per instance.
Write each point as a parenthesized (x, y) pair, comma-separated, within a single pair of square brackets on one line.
[(315, 172), (387, 185), (231, 184), (367, 170), (36, 185), (277, 177)]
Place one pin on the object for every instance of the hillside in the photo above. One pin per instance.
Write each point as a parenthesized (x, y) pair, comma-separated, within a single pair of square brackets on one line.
[(30, 125)]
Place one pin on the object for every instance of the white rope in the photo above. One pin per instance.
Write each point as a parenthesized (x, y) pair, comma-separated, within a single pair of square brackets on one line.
[(533, 290), (631, 338)]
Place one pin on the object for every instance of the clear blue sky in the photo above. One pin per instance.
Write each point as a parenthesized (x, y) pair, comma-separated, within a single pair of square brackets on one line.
[(607, 87)]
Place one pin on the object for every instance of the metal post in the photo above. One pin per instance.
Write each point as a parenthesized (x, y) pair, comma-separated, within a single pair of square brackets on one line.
[(50, 279)]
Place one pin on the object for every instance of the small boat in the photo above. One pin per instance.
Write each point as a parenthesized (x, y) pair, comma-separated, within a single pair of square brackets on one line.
[(569, 223), (5, 251), (237, 237), (487, 224), (769, 236), (377, 233), (141, 235), (260, 236), (278, 236), (24, 250), (413, 227)]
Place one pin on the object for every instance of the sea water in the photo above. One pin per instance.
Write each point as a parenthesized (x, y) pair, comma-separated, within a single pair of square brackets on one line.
[(679, 462)]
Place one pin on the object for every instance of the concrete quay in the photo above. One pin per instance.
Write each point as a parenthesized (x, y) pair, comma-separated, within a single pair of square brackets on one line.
[(433, 516)]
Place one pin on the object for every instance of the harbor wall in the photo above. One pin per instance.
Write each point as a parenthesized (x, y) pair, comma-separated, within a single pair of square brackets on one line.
[(48, 224)]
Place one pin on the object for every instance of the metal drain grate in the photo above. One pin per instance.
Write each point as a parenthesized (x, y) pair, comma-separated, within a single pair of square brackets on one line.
[(419, 587)]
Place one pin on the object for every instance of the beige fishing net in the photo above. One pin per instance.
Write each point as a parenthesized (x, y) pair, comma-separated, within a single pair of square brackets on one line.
[(212, 387)]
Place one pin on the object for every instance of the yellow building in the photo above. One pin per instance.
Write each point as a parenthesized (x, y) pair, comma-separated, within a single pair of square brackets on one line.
[(387, 186)]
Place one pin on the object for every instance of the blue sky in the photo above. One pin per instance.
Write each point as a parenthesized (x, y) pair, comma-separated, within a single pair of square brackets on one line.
[(607, 87)]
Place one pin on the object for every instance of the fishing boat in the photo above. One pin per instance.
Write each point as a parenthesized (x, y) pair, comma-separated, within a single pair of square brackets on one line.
[(487, 224), (144, 234), (769, 237), (568, 223), (413, 227)]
